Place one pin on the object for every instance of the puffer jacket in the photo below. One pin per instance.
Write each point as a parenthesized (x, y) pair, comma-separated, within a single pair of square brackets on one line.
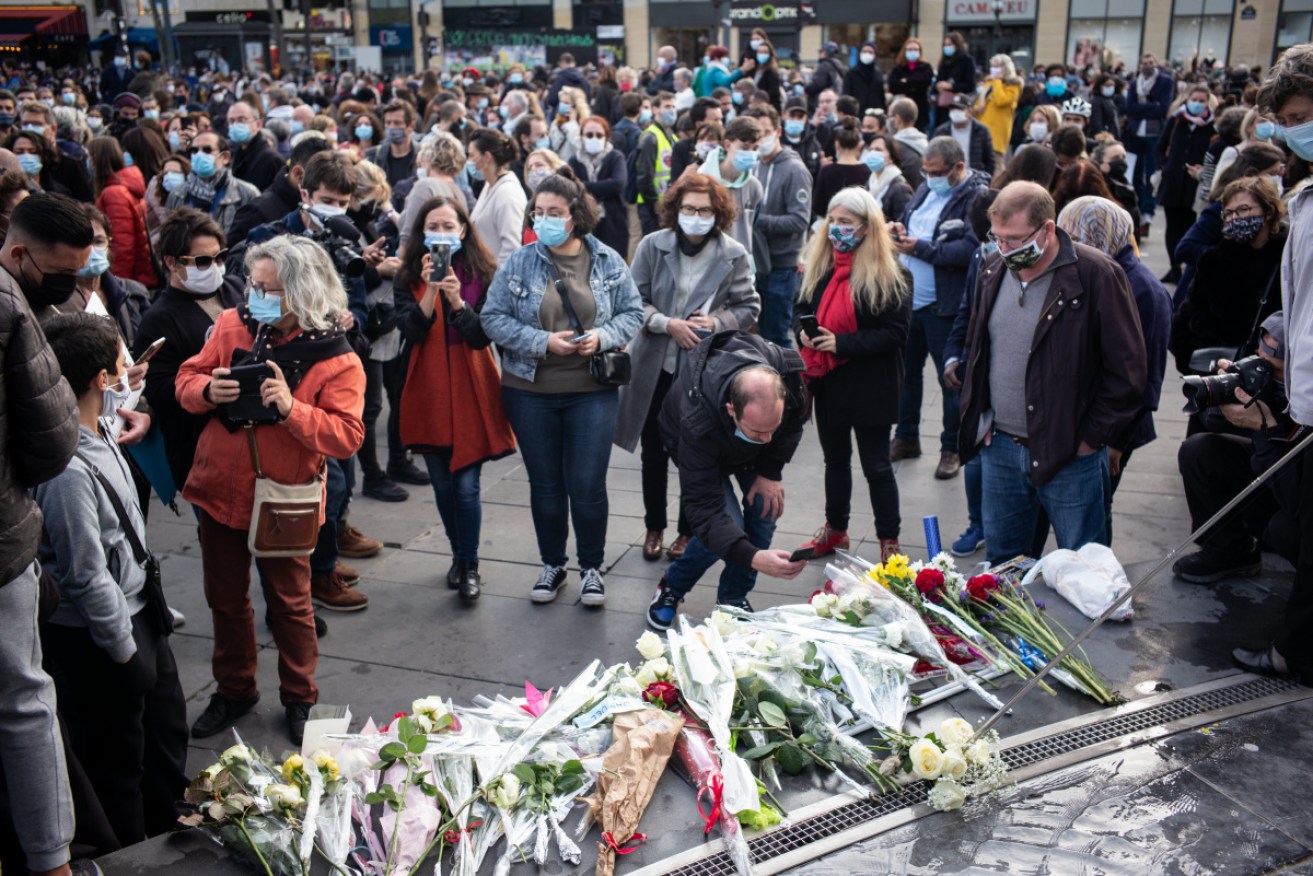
[(123, 201), (38, 426)]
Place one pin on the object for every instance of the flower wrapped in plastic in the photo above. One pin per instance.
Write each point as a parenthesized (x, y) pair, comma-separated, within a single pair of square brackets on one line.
[(696, 751)]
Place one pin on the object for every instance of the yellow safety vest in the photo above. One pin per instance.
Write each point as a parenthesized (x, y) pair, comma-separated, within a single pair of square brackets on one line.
[(661, 172)]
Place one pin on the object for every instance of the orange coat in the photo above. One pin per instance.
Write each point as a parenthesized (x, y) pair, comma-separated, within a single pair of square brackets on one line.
[(325, 421), (123, 201)]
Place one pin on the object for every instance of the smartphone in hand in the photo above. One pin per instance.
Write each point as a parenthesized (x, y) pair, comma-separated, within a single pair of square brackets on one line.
[(809, 325), (802, 554), (440, 253)]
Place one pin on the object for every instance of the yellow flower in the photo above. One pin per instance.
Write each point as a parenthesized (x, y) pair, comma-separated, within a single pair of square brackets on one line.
[(293, 765), (327, 766)]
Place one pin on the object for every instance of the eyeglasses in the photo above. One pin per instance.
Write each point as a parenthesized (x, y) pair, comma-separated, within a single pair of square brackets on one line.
[(596, 136), (208, 150), (1010, 243), (1238, 211), (699, 212), (264, 290), (549, 214), (204, 262)]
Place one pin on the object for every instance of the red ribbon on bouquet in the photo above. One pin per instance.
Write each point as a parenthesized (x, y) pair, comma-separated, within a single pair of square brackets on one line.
[(638, 839), (717, 788), (452, 837)]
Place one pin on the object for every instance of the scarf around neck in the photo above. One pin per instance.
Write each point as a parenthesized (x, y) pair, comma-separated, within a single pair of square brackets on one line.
[(837, 312), (202, 191)]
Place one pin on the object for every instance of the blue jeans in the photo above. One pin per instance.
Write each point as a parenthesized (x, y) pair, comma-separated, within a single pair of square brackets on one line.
[(565, 439), (927, 336), (1076, 500), (340, 475), (736, 582), (459, 506), (1146, 162), (778, 293), (973, 479)]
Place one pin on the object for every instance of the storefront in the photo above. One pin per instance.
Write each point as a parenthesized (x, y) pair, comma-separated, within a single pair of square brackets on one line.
[(1104, 33), (1201, 30), (236, 38), (853, 22), (396, 43), (500, 48), (688, 25), (782, 22), (1295, 25), (54, 35), (993, 27)]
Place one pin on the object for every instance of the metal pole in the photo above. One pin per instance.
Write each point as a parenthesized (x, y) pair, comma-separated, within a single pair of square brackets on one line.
[(1139, 585)]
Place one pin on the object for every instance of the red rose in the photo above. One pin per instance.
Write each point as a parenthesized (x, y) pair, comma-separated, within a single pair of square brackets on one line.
[(930, 582), (662, 693), (979, 587)]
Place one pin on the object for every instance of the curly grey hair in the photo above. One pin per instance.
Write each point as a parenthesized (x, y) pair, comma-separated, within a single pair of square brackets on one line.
[(311, 288)]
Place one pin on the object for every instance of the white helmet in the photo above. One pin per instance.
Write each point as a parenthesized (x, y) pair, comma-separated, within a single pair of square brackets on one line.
[(1077, 106)]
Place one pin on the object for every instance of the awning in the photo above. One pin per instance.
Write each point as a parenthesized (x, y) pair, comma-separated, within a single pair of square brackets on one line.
[(72, 20), (137, 36), (19, 23)]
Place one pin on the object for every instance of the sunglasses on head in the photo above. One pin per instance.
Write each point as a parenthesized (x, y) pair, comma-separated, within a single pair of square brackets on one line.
[(204, 262)]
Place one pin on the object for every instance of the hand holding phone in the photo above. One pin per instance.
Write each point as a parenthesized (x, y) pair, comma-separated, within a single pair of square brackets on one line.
[(802, 554), (440, 253), (810, 325)]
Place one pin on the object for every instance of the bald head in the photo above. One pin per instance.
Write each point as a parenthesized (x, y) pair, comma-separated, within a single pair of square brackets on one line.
[(756, 403), (1023, 198)]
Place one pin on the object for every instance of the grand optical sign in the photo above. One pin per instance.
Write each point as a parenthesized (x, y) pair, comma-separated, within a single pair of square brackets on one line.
[(982, 11), (768, 13)]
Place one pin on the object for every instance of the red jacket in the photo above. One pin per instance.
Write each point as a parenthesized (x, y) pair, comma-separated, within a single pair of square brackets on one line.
[(123, 201), (325, 421)]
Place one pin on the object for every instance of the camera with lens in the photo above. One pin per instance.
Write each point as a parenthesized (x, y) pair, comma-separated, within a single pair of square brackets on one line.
[(1250, 374), (339, 239)]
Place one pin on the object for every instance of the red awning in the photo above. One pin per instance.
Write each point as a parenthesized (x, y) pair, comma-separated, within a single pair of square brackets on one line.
[(68, 20), (18, 23)]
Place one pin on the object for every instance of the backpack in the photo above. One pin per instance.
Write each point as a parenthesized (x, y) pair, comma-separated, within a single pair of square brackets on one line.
[(630, 193)]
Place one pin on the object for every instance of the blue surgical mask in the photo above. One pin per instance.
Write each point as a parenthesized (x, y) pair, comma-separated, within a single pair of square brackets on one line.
[(844, 238), (173, 179), (69, 98), (797, 89), (266, 309), (515, 78), (481, 103), (737, 98), (128, 160), (874, 161), (543, 142), (35, 129), (938, 184), (912, 55), (551, 230), (152, 114), (1109, 90), (174, 142), (763, 57), (645, 117), (795, 127), (1195, 107), (668, 117), (1265, 130), (97, 262), (950, 51), (239, 132), (504, 111), (474, 172), (202, 164), (432, 237), (745, 160), (30, 163), (364, 132), (1299, 138), (738, 433), (1056, 86)]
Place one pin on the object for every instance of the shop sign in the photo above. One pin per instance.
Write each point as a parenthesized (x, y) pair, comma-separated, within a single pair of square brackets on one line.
[(229, 17), (748, 12), (982, 11), (392, 37)]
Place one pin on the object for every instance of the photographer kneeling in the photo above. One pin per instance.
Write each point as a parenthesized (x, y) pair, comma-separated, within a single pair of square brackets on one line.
[(1216, 467)]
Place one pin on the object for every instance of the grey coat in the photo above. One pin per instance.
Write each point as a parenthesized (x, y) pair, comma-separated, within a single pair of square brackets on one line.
[(735, 304)]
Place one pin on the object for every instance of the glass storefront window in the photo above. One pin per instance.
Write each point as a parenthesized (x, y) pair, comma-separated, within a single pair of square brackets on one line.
[(1295, 26), (1105, 32), (1201, 29)]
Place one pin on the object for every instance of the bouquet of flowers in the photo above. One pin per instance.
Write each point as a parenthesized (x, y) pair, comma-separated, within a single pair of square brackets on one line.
[(959, 767)]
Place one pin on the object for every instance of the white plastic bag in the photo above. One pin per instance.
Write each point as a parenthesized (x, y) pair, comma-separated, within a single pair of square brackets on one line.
[(1090, 579)]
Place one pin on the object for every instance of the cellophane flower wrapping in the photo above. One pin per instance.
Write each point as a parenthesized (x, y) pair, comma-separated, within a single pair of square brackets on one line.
[(696, 750), (416, 824)]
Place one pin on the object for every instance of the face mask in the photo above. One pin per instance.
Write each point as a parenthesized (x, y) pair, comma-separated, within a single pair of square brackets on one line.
[(844, 238), (504, 111), (1299, 139), (152, 114), (97, 262), (763, 57), (298, 127), (175, 143), (515, 79), (203, 282), (874, 161), (120, 62), (128, 160), (396, 135), (668, 117), (696, 226), (265, 309), (626, 86), (202, 164), (594, 145), (645, 117), (1278, 182), (474, 172), (69, 98), (755, 43), (1195, 107), (745, 160), (1108, 90), (31, 164), (324, 212), (995, 72), (738, 433), (172, 179), (364, 132), (1056, 86), (1024, 257), (1118, 168), (867, 57), (704, 149), (1148, 70), (912, 55), (48, 101), (543, 142), (950, 51), (768, 145), (958, 116), (239, 133), (481, 103), (93, 122), (794, 127), (939, 185), (53, 290), (1242, 229), (1038, 131), (435, 237), (113, 399), (797, 89), (551, 230), (1265, 130), (7, 120), (731, 115)]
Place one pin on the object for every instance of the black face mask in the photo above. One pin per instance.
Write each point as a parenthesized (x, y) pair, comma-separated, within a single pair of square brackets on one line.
[(52, 291), (1118, 168)]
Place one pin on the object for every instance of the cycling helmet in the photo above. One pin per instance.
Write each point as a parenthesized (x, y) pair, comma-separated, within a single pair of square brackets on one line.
[(1077, 106)]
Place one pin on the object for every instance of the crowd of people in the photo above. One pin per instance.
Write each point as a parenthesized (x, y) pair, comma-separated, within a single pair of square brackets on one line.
[(211, 284)]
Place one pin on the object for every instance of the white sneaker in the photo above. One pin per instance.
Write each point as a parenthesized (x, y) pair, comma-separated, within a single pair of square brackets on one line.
[(179, 619)]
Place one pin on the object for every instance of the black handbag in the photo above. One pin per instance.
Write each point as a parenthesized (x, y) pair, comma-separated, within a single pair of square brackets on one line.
[(154, 587), (609, 368)]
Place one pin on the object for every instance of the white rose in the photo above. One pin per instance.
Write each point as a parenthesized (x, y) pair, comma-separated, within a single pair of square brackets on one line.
[(212, 770), (927, 759), (894, 634), (653, 670), (794, 654), (743, 669), (824, 603), (955, 764), (946, 795), (507, 792), (355, 761), (235, 753), (955, 731), (766, 646), (979, 752), (628, 687), (285, 796), (650, 646), (724, 624)]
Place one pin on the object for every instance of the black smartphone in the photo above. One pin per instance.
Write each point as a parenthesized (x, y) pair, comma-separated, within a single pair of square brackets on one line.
[(441, 255), (150, 352), (810, 327), (249, 406), (802, 554)]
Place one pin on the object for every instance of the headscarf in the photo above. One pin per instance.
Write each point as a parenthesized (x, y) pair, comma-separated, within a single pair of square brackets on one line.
[(1099, 223)]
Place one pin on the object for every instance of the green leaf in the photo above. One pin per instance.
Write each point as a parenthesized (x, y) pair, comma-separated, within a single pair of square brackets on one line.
[(405, 728), (373, 798), (394, 805), (569, 784), (810, 651), (572, 768), (807, 740), (381, 765), (418, 743), (772, 714), (392, 751), (524, 773), (792, 759), (760, 751)]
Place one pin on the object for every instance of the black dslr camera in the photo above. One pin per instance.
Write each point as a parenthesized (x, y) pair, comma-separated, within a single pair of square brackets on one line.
[(339, 238), (1250, 374)]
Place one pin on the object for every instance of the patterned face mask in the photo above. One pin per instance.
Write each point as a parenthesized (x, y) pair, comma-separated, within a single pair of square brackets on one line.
[(1242, 229)]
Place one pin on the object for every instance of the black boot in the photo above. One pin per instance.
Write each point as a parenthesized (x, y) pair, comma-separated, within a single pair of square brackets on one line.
[(471, 584), (455, 574)]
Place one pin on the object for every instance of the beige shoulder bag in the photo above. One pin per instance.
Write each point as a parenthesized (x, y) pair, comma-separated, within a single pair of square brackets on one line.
[(285, 517)]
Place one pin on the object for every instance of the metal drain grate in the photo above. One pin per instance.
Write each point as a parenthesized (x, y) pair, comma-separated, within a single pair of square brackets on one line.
[(814, 829)]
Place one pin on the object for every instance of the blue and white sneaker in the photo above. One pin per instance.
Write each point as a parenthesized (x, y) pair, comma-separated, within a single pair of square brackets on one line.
[(663, 608), (968, 542)]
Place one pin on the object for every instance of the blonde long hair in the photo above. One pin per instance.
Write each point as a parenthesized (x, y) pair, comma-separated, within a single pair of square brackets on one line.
[(877, 280)]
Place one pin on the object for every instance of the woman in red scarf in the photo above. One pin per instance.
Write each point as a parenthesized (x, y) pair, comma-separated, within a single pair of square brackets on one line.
[(861, 298), (451, 410)]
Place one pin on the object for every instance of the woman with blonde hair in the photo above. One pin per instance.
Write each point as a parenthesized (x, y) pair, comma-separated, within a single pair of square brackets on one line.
[(851, 322), (997, 104), (566, 131)]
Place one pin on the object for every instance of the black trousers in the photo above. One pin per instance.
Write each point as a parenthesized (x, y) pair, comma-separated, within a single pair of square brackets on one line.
[(127, 723), (1179, 220), (873, 452), (1215, 468), (380, 377), (647, 219), (656, 463)]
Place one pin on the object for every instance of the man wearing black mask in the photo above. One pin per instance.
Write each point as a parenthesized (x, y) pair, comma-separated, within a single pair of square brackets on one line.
[(45, 265)]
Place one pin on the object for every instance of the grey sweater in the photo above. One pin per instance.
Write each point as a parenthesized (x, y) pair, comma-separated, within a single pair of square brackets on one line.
[(101, 585), (785, 215)]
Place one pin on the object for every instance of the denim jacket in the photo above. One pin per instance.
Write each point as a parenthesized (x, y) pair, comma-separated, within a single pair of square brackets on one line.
[(510, 315)]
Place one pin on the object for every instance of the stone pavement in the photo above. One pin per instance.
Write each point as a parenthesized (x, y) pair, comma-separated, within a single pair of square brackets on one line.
[(416, 638)]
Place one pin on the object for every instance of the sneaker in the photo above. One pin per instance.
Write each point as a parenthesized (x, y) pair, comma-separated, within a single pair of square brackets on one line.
[(663, 607), (321, 628), (550, 582), (330, 592), (221, 714), (949, 465), (889, 547), (179, 619), (592, 590), (900, 449), (968, 542), (384, 489), (352, 543), (826, 541), (741, 603), (84, 867), (409, 473), (350, 577), (297, 714), (1209, 566)]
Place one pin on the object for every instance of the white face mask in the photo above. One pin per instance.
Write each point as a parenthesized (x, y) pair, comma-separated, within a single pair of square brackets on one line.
[(867, 57), (323, 212), (115, 398), (203, 282), (995, 72), (696, 226), (768, 145), (1038, 131), (594, 145), (1277, 181), (958, 116)]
